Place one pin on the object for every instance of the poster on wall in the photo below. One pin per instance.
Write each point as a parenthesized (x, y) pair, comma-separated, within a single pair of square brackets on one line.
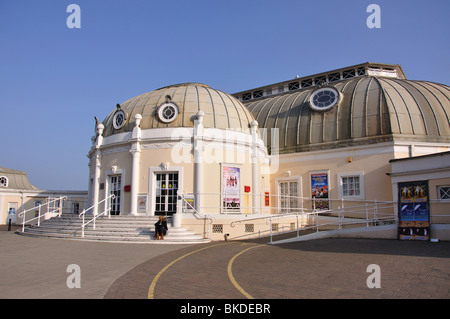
[(142, 203), (319, 191), (414, 221), (231, 188)]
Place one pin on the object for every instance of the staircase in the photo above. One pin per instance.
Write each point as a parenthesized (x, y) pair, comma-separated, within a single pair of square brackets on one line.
[(130, 229)]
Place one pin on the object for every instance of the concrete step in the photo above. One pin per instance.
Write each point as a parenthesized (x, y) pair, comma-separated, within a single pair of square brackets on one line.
[(116, 228)]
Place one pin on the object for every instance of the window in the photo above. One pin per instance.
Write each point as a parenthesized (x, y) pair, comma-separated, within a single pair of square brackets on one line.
[(306, 83), (167, 112), (321, 80), (351, 185), (294, 86), (324, 99), (75, 208), (348, 74), (334, 77), (444, 192), (361, 71), (246, 96), (289, 195), (257, 94), (119, 119), (3, 181)]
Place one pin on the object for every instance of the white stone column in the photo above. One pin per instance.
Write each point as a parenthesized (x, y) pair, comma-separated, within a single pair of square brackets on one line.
[(136, 153), (198, 160), (255, 168), (178, 216), (97, 168)]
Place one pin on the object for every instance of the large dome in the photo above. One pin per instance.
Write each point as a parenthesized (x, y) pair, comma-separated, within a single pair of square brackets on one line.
[(182, 102), (356, 111)]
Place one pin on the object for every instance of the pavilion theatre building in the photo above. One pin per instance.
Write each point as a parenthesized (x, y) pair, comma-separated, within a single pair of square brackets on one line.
[(311, 143)]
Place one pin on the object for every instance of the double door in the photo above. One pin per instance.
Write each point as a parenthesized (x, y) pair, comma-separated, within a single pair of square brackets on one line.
[(289, 196), (115, 188), (166, 193)]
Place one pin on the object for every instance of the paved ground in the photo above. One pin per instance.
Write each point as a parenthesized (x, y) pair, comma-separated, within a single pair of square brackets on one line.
[(37, 267), (326, 268)]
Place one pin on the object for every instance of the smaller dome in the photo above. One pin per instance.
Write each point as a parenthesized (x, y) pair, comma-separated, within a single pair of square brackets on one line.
[(176, 106)]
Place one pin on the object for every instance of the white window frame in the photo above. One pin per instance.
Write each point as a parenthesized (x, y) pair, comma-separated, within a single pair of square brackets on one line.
[(359, 174), (297, 179), (108, 175)]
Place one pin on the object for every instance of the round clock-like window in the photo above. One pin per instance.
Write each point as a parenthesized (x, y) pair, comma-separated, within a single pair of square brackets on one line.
[(119, 119), (167, 112), (324, 99)]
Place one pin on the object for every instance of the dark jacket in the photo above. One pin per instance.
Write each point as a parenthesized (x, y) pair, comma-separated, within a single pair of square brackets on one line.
[(161, 228)]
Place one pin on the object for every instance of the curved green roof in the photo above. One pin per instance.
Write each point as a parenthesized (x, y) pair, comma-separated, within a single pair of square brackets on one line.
[(371, 109)]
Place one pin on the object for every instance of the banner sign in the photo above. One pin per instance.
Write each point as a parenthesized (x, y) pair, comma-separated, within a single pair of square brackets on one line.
[(231, 188), (319, 191), (413, 211)]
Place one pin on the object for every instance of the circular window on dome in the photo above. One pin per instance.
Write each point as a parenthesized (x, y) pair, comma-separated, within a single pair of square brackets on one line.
[(167, 112), (324, 99), (119, 119)]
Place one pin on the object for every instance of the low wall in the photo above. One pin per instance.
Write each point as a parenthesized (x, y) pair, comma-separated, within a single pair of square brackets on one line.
[(236, 227)]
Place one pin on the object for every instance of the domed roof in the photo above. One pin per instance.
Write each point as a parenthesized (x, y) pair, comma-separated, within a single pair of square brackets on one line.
[(176, 106), (367, 109)]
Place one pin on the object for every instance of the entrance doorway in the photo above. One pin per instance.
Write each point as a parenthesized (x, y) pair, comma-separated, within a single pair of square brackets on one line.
[(166, 193), (115, 187), (289, 200)]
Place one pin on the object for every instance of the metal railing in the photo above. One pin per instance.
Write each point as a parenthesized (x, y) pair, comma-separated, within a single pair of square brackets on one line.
[(207, 220), (37, 210), (368, 214), (107, 211)]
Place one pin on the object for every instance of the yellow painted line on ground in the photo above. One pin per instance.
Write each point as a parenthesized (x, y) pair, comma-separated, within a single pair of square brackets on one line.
[(151, 290), (230, 273)]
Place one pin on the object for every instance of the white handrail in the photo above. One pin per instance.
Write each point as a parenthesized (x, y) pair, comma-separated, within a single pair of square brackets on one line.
[(204, 217), (38, 217), (83, 214), (362, 216)]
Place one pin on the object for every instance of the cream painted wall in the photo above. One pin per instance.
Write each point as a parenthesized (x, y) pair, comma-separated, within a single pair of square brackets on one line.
[(373, 163)]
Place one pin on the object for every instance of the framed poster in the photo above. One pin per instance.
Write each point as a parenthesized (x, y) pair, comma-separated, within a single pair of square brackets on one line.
[(231, 188), (142, 203), (413, 211), (319, 190), (188, 203)]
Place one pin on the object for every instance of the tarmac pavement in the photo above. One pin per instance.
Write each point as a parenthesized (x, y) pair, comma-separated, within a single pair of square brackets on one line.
[(32, 267), (325, 268)]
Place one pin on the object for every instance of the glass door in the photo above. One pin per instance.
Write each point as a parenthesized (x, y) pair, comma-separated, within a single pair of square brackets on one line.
[(289, 201), (166, 193), (115, 186)]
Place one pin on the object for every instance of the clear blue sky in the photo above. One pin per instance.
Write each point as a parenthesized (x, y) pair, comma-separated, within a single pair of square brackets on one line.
[(54, 80)]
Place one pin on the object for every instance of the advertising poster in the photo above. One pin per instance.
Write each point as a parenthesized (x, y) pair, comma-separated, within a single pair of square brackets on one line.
[(231, 188), (142, 203), (414, 222), (319, 191)]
